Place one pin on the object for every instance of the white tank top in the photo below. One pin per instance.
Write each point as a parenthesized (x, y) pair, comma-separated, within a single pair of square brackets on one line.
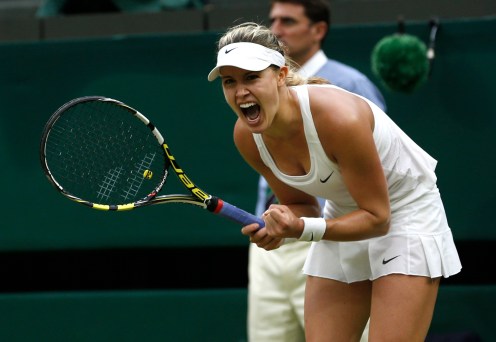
[(409, 170)]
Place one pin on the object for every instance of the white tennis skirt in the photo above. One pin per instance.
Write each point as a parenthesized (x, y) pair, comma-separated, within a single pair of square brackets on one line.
[(419, 242)]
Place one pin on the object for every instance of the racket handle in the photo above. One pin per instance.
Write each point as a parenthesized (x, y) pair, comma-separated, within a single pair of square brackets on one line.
[(222, 208)]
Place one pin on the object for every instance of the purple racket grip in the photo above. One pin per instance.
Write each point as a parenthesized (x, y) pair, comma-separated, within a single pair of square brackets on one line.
[(222, 208)]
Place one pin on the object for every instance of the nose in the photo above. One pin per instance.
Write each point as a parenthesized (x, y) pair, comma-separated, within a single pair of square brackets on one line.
[(241, 91), (275, 27)]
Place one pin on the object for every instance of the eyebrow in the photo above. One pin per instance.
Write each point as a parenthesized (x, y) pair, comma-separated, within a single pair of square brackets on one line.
[(246, 73)]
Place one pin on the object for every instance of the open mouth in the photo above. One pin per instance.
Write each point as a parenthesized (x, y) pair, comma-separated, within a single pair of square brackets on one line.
[(251, 111)]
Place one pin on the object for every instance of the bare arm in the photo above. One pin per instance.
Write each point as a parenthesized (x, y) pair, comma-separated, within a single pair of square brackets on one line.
[(351, 145)]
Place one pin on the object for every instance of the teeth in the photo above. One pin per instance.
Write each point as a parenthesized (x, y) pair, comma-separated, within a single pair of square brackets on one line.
[(247, 105)]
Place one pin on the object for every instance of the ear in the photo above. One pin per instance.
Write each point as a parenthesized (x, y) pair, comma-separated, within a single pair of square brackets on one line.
[(320, 29), (281, 76)]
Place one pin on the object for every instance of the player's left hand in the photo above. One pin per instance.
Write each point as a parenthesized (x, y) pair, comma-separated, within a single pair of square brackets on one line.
[(280, 222)]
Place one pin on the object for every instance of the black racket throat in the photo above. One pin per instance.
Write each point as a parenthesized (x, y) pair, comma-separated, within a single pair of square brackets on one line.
[(214, 204)]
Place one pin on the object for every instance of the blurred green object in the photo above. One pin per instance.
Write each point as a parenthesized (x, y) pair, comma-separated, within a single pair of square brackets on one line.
[(400, 61)]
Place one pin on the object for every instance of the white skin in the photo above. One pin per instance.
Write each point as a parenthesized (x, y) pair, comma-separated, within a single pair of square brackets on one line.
[(400, 306)]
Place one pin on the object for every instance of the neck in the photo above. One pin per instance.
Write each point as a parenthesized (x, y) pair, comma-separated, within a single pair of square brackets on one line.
[(287, 120)]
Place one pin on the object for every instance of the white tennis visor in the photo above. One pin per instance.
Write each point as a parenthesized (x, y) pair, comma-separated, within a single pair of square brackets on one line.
[(247, 56)]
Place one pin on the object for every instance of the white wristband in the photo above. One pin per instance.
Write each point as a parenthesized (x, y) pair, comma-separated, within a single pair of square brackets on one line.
[(314, 229)]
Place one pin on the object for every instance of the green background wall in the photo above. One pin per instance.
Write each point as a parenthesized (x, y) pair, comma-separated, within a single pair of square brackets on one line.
[(452, 117), (163, 77)]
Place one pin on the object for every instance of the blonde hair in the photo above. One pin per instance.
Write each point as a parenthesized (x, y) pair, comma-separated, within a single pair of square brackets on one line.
[(251, 32)]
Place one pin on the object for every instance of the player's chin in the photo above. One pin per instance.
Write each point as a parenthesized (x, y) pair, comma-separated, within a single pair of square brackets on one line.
[(255, 124)]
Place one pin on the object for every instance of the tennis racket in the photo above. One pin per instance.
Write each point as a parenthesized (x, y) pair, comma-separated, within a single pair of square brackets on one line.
[(103, 154)]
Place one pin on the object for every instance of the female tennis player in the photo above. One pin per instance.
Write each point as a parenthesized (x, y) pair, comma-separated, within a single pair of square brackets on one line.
[(385, 242)]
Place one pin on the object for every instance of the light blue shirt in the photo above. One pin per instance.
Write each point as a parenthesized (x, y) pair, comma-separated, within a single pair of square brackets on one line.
[(343, 76)]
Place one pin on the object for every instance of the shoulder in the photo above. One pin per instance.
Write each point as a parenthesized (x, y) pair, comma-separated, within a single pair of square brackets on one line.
[(245, 143), (331, 105), (339, 117), (243, 138)]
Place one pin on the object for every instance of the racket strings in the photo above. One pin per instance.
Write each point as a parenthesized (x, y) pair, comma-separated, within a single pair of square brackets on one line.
[(99, 151), (137, 176), (107, 186)]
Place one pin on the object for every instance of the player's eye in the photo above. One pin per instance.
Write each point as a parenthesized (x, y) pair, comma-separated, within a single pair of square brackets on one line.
[(253, 76)]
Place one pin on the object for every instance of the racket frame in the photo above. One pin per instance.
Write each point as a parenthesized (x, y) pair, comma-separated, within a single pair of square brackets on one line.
[(197, 197)]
